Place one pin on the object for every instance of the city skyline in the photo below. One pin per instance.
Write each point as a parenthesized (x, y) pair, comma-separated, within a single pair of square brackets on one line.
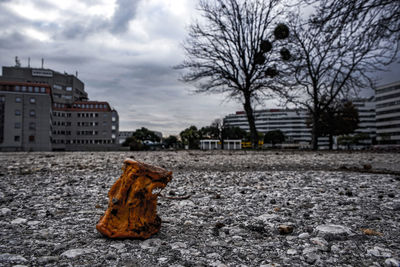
[(123, 51)]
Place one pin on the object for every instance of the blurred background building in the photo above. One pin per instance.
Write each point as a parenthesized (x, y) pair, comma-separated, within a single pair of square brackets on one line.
[(43, 110)]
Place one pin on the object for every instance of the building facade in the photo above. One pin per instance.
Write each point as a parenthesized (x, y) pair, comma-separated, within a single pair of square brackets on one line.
[(291, 122), (387, 99), (25, 116), (41, 109), (367, 120)]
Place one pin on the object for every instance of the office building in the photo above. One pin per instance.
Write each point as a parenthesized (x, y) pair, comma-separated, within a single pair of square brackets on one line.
[(291, 122), (367, 120), (387, 98), (25, 116), (41, 109)]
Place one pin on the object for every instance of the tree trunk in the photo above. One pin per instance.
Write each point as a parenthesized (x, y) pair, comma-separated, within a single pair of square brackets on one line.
[(330, 141), (251, 121), (314, 131)]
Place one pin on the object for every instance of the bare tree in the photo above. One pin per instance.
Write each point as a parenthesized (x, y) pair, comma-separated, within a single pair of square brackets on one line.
[(231, 51), (333, 56)]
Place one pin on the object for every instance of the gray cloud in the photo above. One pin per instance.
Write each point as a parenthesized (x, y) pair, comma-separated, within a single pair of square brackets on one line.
[(130, 70), (125, 12)]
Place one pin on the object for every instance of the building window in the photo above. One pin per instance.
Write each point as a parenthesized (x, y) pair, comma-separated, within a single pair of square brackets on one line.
[(23, 88), (16, 138), (17, 125), (68, 88), (17, 88), (30, 89), (42, 90), (17, 112), (36, 89), (18, 99), (32, 126), (31, 138), (32, 113), (32, 100)]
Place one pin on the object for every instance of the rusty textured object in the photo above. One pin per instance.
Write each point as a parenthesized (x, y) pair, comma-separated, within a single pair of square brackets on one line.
[(132, 208)]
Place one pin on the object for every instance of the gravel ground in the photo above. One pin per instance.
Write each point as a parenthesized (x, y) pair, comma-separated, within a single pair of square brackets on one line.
[(275, 208)]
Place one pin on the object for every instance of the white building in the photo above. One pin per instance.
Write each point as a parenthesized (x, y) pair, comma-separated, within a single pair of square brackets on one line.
[(387, 99), (367, 118), (291, 122)]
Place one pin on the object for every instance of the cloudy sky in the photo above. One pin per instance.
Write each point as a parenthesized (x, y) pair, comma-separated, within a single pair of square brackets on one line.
[(123, 51)]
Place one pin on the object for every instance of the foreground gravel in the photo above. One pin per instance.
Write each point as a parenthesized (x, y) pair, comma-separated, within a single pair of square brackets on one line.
[(275, 208)]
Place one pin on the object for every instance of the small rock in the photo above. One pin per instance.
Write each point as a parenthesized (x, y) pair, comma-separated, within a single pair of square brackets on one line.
[(47, 259), (12, 258), (76, 252), (177, 245), (33, 223), (118, 246), (5, 211), (333, 232), (272, 201), (152, 244), (304, 235), (321, 243), (19, 221), (291, 252), (392, 262), (111, 256), (285, 229), (379, 252), (311, 258)]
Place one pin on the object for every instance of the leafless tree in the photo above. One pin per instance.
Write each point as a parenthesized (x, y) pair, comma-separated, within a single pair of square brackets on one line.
[(335, 54), (232, 51)]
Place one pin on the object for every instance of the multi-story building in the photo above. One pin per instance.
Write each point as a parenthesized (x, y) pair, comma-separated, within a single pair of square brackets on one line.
[(51, 111), (291, 122), (387, 99), (84, 125), (25, 116), (367, 120)]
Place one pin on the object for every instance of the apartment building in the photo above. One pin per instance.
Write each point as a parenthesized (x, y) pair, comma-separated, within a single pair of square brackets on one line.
[(41, 109), (387, 98)]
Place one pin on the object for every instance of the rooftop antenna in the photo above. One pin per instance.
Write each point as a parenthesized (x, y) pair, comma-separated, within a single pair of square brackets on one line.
[(76, 74), (17, 62), (42, 62), (29, 62)]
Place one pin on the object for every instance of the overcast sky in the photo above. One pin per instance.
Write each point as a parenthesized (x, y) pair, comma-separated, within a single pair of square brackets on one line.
[(123, 51)]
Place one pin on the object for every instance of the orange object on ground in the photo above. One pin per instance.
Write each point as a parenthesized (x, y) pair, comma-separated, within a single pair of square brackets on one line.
[(132, 208)]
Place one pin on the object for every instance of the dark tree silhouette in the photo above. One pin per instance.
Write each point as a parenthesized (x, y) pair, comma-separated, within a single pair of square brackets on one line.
[(340, 118), (231, 52), (334, 54), (274, 137)]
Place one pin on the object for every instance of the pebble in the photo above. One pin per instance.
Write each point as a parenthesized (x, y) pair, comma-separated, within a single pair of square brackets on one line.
[(5, 211), (152, 244), (47, 259), (12, 258), (321, 243), (379, 252), (304, 235), (19, 221), (333, 232), (76, 252), (285, 229), (392, 262)]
